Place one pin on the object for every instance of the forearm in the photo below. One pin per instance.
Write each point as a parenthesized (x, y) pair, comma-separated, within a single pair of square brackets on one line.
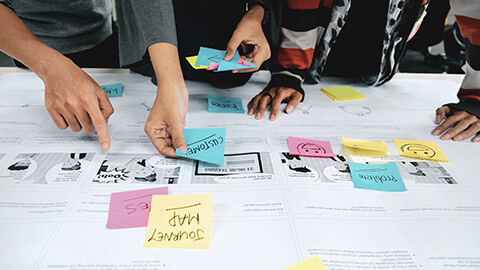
[(164, 58), (19, 42)]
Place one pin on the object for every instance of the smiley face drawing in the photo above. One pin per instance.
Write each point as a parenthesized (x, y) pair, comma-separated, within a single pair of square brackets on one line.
[(419, 150), (310, 148)]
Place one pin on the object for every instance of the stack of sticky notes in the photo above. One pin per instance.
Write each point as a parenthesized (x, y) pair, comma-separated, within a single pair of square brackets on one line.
[(364, 147), (340, 93), (212, 59)]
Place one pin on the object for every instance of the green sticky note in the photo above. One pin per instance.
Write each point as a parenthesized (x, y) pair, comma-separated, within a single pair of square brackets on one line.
[(342, 93), (113, 90), (382, 177)]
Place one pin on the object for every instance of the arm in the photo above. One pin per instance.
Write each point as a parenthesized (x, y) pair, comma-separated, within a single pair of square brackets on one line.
[(147, 30), (165, 123), (462, 120), (249, 34), (73, 99), (301, 28)]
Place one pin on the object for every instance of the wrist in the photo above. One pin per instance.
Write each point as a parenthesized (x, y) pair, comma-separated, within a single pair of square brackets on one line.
[(256, 12), (49, 65)]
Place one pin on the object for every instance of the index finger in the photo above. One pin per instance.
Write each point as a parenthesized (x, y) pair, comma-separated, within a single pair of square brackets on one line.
[(100, 125)]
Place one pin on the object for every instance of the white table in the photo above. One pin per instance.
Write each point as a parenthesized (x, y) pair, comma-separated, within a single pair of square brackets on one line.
[(52, 219)]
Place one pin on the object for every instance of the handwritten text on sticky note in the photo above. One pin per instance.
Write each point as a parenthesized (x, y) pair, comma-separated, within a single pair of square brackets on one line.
[(113, 90), (180, 221), (383, 177), (130, 209), (219, 104), (204, 144)]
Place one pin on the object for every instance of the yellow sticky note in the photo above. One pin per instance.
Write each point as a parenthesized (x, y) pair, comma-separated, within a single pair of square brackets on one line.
[(180, 221), (420, 150), (192, 60), (342, 93), (313, 263), (365, 144)]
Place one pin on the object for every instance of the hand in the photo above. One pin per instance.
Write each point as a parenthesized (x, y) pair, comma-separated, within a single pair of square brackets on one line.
[(166, 121), (274, 96), (73, 99), (249, 34), (463, 125)]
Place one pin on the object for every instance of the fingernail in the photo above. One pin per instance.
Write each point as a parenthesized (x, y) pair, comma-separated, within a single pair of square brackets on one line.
[(234, 71), (435, 133), (104, 146), (289, 109), (476, 139), (183, 149), (250, 112), (437, 119), (258, 116), (458, 138), (272, 117), (446, 137)]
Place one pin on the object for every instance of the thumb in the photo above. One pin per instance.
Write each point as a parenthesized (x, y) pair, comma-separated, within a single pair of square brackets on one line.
[(176, 131), (232, 47)]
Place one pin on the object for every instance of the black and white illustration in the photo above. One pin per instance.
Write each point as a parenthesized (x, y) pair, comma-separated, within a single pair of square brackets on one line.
[(239, 168), (46, 168), (138, 168), (314, 169), (355, 109), (424, 172)]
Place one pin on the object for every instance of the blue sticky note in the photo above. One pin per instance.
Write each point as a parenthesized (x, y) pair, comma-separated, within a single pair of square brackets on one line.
[(382, 177), (204, 144), (113, 90), (208, 55), (234, 65), (219, 104)]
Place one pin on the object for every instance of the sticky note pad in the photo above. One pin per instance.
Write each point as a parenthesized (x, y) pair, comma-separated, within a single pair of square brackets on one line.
[(130, 209), (313, 263), (342, 93), (219, 104), (180, 221), (382, 177), (365, 144), (309, 148), (113, 90), (421, 150), (192, 60), (204, 144)]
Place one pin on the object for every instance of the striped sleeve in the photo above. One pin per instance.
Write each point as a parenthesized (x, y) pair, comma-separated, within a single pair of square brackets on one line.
[(467, 14), (303, 22)]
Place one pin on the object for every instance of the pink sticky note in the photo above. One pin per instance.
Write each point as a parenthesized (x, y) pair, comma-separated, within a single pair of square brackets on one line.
[(309, 148), (213, 66), (130, 209), (243, 62)]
